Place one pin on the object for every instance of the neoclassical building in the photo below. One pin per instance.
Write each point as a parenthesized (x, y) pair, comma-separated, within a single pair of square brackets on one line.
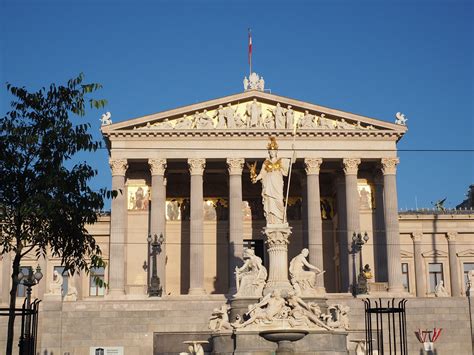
[(184, 173)]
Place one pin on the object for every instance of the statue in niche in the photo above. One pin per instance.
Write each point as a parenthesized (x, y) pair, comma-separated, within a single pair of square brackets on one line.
[(184, 209), (220, 114), (56, 286), (250, 277), (290, 117), (71, 294), (324, 122), (326, 209), (271, 307), (184, 123), (203, 121), (279, 116), (364, 198), (440, 290), (254, 113), (271, 175), (229, 115), (307, 121), (219, 319), (301, 276)]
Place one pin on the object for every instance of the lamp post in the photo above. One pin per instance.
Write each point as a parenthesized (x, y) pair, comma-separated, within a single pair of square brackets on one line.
[(358, 241), (27, 338), (154, 248), (29, 281)]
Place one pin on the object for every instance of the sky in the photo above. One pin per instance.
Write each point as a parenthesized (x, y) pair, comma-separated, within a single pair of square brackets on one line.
[(373, 58)]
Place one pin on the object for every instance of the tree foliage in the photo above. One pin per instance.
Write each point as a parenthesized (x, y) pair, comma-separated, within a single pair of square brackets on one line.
[(46, 202)]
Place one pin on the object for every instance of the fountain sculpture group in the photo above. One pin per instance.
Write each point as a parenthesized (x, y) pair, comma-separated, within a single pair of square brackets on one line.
[(282, 305)]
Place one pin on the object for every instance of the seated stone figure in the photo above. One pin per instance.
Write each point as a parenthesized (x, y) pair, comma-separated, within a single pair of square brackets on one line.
[(301, 276), (219, 319), (250, 277), (56, 286)]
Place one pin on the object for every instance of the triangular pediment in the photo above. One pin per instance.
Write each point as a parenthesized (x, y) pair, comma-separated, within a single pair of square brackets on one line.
[(255, 111), (435, 254), (466, 253)]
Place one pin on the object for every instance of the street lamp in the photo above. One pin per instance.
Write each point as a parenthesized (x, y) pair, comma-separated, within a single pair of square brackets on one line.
[(358, 241), (30, 280), (154, 248)]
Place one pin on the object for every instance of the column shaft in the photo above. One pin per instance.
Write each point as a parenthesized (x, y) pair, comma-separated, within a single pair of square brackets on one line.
[(380, 238), (352, 213), (419, 269), (196, 257), (6, 278), (118, 225), (453, 266), (342, 235), (391, 225), (158, 213), (235, 167), (315, 224)]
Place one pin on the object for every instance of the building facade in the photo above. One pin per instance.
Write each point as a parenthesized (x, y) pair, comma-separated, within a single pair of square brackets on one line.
[(184, 173)]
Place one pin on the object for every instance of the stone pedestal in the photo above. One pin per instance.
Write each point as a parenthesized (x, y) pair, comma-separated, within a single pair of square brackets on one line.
[(277, 246), (239, 306)]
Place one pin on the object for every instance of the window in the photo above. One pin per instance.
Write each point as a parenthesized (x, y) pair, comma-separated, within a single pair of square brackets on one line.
[(65, 275), (467, 267), (21, 290), (435, 275), (257, 246), (405, 277), (94, 288)]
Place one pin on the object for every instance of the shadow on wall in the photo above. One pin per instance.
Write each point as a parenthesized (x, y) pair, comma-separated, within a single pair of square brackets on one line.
[(423, 352)]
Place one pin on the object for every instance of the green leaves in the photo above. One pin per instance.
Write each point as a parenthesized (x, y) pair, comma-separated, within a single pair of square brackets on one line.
[(46, 204)]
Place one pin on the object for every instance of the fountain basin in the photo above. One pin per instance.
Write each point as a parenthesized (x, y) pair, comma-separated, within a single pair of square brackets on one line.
[(277, 335)]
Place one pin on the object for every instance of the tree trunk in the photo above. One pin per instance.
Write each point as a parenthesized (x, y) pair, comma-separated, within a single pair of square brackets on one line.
[(11, 316)]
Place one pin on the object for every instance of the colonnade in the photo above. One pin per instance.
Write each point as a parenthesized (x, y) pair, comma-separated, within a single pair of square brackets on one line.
[(347, 199)]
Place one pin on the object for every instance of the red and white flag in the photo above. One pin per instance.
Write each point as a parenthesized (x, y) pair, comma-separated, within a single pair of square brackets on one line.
[(250, 47)]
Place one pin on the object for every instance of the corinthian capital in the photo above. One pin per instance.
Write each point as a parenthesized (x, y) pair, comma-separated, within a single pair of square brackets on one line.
[(416, 236), (451, 236), (118, 166), (235, 166), (312, 165), (351, 165), (196, 166), (157, 166), (389, 165)]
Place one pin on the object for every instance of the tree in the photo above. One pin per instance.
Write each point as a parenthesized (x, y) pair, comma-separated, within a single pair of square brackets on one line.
[(45, 204)]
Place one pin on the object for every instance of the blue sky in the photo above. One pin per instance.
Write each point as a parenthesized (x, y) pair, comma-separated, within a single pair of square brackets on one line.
[(372, 58)]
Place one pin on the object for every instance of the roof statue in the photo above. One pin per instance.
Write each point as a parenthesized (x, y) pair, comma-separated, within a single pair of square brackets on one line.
[(254, 82), (400, 119), (106, 119)]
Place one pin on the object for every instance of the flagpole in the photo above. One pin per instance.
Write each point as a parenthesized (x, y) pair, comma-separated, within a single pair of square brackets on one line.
[(250, 51)]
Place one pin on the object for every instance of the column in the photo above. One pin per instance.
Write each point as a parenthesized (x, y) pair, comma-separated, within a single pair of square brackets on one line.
[(389, 168), (419, 269), (380, 238), (453, 265), (196, 255), (342, 234), (352, 213), (315, 224), (6, 260), (235, 166), (158, 213), (118, 225)]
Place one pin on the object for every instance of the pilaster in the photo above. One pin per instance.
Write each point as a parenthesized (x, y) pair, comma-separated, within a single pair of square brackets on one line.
[(420, 285), (453, 265)]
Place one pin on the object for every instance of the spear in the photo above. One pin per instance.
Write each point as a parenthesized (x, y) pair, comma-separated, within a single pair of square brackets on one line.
[(295, 125)]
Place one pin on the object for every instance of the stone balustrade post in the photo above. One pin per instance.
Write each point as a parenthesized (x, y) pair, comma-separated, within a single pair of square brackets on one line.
[(118, 226), (351, 166), (453, 265), (315, 224), (235, 166), (419, 268), (196, 255), (158, 213), (389, 168)]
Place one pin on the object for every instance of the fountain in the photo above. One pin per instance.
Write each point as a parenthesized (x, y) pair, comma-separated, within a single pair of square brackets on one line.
[(270, 311)]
